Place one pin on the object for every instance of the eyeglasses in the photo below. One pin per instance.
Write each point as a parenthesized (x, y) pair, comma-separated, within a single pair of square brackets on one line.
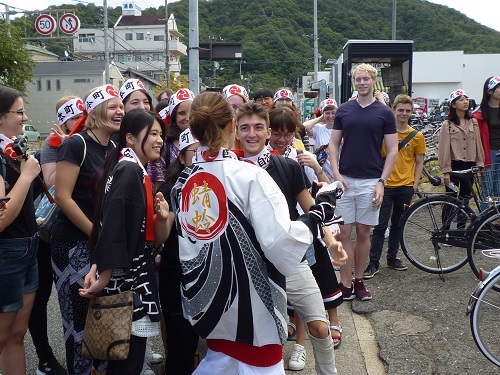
[(21, 112), (192, 150), (285, 136), (262, 100)]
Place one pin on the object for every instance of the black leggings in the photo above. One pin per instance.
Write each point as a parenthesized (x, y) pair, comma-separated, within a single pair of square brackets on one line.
[(38, 318), (133, 364)]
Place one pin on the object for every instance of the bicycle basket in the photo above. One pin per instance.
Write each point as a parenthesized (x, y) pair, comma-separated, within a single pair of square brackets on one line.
[(489, 184)]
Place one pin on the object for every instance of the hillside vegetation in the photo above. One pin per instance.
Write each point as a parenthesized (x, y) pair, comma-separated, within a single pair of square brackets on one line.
[(277, 34)]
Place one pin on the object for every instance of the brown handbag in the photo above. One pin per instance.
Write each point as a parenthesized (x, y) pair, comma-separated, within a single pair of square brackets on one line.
[(108, 327)]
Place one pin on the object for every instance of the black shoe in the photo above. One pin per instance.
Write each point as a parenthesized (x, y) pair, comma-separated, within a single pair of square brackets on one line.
[(51, 367), (396, 264), (370, 271)]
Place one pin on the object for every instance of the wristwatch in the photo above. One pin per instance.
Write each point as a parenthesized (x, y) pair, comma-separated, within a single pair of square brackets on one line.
[(384, 182)]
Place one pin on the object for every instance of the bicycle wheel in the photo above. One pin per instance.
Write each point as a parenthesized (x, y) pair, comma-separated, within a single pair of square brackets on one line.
[(432, 234), (432, 170), (484, 234), (485, 320)]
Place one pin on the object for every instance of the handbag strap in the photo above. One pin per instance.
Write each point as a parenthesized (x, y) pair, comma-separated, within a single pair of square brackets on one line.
[(407, 139), (84, 148)]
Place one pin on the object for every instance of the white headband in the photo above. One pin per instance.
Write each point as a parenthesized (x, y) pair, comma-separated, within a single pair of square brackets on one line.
[(186, 139), (100, 95), (456, 94), (327, 103), (180, 96), (283, 94), (493, 82), (130, 86), (231, 90), (69, 109), (163, 113)]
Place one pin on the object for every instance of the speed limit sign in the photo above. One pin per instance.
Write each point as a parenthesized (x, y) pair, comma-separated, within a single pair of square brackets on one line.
[(45, 24), (69, 23)]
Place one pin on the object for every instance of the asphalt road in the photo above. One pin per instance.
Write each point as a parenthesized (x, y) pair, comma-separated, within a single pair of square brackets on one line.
[(418, 322)]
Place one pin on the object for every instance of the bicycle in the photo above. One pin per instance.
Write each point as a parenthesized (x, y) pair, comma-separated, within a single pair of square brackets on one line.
[(484, 311), (448, 222)]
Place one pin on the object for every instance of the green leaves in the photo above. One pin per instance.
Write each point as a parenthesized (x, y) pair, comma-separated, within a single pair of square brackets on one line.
[(16, 67)]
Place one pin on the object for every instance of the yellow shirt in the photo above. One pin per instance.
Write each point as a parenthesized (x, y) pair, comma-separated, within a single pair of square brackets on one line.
[(404, 171)]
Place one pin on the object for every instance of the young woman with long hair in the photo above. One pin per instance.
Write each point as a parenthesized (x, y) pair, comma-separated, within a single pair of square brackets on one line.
[(18, 236), (127, 220), (488, 118), (80, 159)]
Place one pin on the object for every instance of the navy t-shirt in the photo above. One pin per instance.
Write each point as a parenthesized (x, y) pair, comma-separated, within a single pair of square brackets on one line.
[(85, 191), (363, 130)]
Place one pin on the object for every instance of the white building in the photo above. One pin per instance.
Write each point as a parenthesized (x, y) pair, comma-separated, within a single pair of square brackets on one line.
[(135, 42), (435, 75)]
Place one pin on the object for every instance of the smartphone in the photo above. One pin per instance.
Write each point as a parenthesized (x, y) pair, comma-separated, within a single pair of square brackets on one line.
[(314, 189), (4, 199)]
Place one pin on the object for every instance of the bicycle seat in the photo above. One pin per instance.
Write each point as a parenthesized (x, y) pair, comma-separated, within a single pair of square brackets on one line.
[(465, 174)]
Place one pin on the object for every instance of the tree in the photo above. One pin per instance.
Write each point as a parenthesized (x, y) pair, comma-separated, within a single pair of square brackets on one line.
[(16, 68), (176, 83)]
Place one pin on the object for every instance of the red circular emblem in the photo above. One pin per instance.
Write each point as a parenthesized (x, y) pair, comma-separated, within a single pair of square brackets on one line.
[(235, 90), (79, 104), (141, 85), (284, 94), (183, 95), (204, 212), (111, 90)]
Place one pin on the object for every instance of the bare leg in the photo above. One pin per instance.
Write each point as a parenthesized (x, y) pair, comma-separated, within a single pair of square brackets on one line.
[(361, 249), (13, 357), (346, 270)]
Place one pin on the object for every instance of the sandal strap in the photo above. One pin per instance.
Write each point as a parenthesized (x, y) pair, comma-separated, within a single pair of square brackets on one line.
[(290, 324), (336, 328)]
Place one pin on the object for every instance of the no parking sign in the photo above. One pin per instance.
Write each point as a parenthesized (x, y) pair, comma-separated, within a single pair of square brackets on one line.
[(45, 24)]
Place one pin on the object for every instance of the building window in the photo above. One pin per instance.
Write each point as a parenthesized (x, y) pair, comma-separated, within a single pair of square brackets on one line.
[(129, 36), (49, 85), (139, 36), (58, 85), (158, 77), (122, 58), (38, 85), (86, 38), (158, 57), (159, 38), (81, 80), (141, 57)]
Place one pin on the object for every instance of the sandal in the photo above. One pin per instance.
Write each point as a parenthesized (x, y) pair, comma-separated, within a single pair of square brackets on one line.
[(292, 334), (337, 339)]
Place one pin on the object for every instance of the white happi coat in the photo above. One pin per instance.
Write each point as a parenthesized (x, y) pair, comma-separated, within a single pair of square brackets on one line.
[(236, 245)]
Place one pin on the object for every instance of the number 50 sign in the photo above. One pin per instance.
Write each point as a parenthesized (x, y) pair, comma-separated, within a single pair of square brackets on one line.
[(46, 24)]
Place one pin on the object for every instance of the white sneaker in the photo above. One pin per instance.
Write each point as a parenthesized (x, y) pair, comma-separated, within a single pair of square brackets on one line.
[(298, 359), (146, 370), (151, 357)]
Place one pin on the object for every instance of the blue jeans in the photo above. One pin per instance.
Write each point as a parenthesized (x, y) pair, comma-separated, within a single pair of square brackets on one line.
[(394, 201), (490, 181), (18, 271)]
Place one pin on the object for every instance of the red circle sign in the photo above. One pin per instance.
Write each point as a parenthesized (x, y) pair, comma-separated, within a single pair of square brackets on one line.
[(69, 23), (45, 24)]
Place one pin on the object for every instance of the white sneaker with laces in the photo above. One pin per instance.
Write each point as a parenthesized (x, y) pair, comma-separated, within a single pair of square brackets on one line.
[(151, 357), (298, 359)]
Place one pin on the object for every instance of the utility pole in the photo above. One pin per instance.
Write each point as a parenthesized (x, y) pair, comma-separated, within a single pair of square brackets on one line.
[(393, 19), (194, 48), (106, 55), (167, 56), (315, 36)]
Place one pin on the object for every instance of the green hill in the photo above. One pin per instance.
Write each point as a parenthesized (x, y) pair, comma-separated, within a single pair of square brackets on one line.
[(276, 34)]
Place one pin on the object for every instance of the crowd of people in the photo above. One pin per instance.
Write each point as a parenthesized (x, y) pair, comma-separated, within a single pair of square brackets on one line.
[(220, 215)]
